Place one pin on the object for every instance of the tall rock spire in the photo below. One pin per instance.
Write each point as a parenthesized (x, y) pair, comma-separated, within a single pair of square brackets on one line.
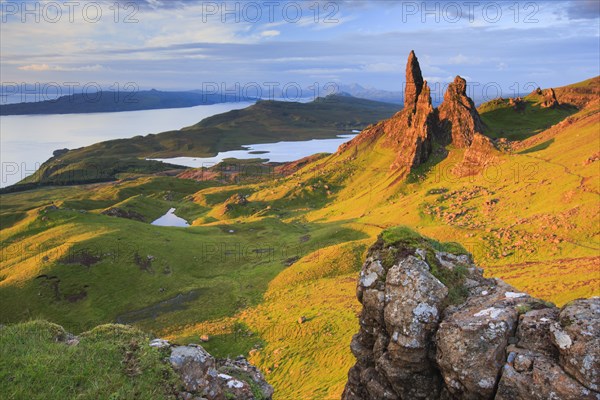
[(460, 123), (417, 120), (458, 117), (414, 82)]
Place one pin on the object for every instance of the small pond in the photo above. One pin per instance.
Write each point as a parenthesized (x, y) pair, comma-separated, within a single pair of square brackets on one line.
[(170, 219)]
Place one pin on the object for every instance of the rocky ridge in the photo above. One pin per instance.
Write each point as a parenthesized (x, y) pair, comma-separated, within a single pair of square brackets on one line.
[(419, 128), (432, 327), (583, 96)]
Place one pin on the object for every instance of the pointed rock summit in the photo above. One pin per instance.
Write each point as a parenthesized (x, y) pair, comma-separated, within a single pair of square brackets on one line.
[(415, 129), (414, 82)]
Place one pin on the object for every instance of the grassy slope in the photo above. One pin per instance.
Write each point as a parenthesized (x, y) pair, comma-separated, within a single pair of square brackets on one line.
[(36, 363), (532, 220), (552, 252), (226, 266), (502, 120)]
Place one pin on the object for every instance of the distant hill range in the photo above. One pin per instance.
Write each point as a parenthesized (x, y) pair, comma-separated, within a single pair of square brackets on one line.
[(112, 101), (264, 122), (387, 96)]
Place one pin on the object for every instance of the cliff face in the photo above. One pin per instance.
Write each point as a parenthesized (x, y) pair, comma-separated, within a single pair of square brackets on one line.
[(581, 95), (432, 327), (414, 132)]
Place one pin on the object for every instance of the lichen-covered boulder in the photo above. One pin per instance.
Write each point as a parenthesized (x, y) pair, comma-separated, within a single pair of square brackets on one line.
[(205, 377), (577, 337), (533, 376), (472, 341), (198, 371), (413, 302), (432, 327)]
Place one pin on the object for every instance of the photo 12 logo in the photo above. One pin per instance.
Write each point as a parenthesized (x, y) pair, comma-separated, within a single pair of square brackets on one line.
[(283, 91), (472, 11), (71, 92), (54, 12), (271, 11)]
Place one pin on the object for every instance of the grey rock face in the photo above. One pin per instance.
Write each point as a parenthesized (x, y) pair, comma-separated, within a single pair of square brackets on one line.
[(204, 377), (468, 338), (577, 336)]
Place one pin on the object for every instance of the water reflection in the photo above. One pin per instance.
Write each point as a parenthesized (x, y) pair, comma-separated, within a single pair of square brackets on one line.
[(170, 219)]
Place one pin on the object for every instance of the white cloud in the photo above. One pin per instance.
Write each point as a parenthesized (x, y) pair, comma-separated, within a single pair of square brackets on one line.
[(270, 33), (464, 60), (46, 67), (36, 67), (382, 67)]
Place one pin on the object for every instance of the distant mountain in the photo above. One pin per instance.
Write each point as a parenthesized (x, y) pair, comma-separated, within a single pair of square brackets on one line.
[(356, 90), (111, 101)]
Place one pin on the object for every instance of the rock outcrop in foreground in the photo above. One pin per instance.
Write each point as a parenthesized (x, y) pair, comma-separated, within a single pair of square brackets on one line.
[(206, 378), (432, 327)]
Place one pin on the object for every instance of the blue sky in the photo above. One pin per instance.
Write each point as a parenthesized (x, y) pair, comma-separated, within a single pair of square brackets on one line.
[(176, 45)]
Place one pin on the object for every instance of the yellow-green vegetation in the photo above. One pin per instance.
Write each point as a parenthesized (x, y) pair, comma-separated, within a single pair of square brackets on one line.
[(109, 362), (80, 268), (303, 360), (269, 267), (530, 219)]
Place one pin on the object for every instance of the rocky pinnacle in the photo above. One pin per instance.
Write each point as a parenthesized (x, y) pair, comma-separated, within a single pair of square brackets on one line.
[(416, 131), (459, 120), (414, 82)]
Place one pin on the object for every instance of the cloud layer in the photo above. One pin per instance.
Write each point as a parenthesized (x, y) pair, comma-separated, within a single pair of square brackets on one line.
[(185, 44)]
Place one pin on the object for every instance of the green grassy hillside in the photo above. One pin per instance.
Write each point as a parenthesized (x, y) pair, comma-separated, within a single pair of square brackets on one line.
[(261, 255), (109, 362), (504, 119), (80, 268)]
